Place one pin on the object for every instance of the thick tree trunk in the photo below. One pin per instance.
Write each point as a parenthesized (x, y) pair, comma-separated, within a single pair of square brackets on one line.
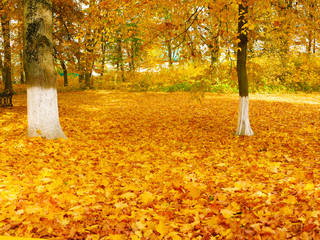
[(88, 73), (88, 81), (5, 23), (43, 116), (244, 127)]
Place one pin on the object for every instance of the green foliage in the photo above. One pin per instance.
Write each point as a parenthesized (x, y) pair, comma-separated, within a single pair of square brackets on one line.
[(178, 87), (223, 88)]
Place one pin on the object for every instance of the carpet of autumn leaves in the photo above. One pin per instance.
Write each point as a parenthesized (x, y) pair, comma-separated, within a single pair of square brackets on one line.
[(163, 166)]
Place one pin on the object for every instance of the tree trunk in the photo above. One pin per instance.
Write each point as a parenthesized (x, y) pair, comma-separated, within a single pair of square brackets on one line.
[(2, 69), (5, 23), (42, 102), (120, 60), (88, 73), (132, 57), (169, 53), (214, 51), (88, 82), (314, 43), (103, 59), (285, 35), (65, 72), (80, 69), (21, 77), (21, 67), (243, 127), (20, 37)]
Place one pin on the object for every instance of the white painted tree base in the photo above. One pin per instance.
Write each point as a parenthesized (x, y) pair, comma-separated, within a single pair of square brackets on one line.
[(244, 127), (43, 115)]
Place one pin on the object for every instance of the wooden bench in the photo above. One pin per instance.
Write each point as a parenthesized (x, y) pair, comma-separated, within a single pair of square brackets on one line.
[(6, 98)]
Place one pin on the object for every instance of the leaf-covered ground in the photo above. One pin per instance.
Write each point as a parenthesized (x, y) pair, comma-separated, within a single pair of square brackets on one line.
[(162, 166)]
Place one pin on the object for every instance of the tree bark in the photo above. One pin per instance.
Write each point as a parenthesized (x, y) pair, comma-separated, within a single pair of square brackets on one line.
[(169, 53), (103, 59), (65, 72), (80, 69), (2, 69), (284, 31), (5, 23), (42, 102), (120, 60), (87, 78), (214, 51), (243, 127), (21, 67), (20, 37)]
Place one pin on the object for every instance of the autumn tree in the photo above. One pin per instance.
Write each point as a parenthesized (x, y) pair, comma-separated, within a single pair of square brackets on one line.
[(243, 127), (43, 116), (209, 34), (20, 41), (89, 37), (5, 24), (67, 15), (309, 19)]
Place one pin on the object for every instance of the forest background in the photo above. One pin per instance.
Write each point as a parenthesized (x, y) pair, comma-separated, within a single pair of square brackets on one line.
[(171, 45)]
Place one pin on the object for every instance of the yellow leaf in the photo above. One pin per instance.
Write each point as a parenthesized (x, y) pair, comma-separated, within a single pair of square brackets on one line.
[(93, 237), (117, 237), (235, 206), (302, 219), (128, 195), (134, 237), (140, 225), (162, 228), (222, 197), (186, 227), (194, 192), (33, 209), (121, 205), (138, 235), (291, 200), (146, 197), (286, 211), (315, 213), (174, 236), (268, 230), (309, 186), (227, 213)]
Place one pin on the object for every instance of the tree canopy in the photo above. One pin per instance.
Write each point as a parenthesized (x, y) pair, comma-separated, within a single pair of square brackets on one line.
[(92, 36)]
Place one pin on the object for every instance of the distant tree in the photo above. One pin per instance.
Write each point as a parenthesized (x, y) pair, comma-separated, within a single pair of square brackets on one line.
[(5, 24), (43, 117)]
